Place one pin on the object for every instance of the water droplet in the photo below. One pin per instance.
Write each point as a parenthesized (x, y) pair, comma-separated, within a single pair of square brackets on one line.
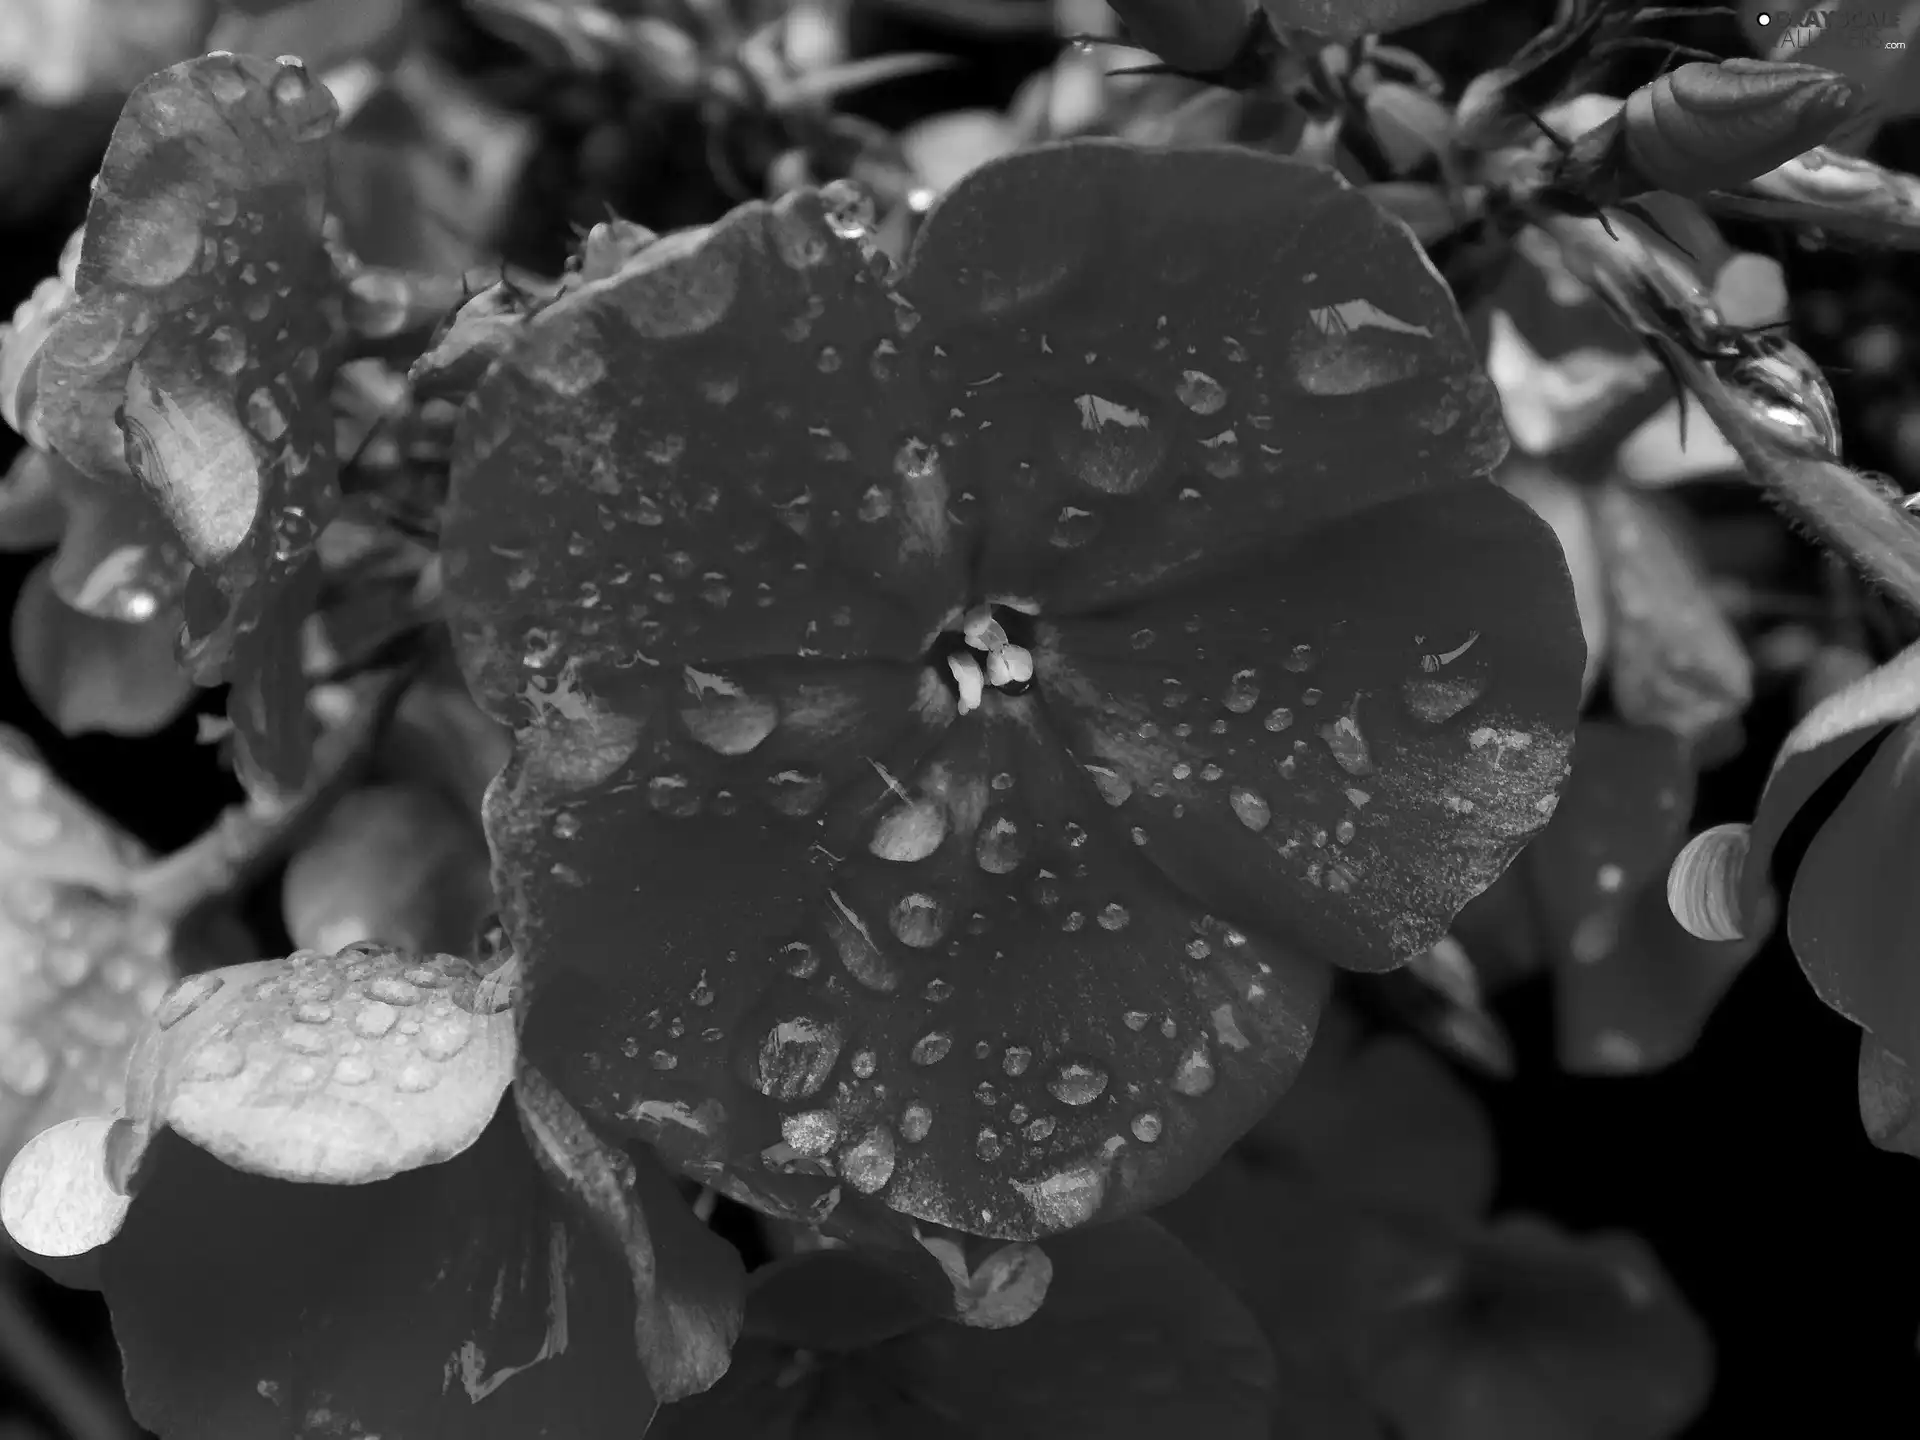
[(352, 1070), (911, 832), (220, 1060), (916, 460), (663, 1060), (415, 1078), (1200, 392), (1001, 847), (1301, 659), (799, 959), (867, 1164), (1141, 638), (1438, 698), (1278, 719), (1243, 692), (730, 723), (920, 920), (1077, 1082), (795, 1057), (227, 350), (311, 1014), (1146, 1126), (828, 360), (931, 1048), (375, 1019), (1109, 447), (811, 1132), (444, 1038), (1251, 807), (394, 991), (987, 1144), (1136, 1019), (1193, 1075), (915, 1121), (1114, 916), (938, 991), (1348, 744), (264, 416), (1114, 788), (864, 1063), (796, 792), (185, 998), (884, 362), (986, 1094), (673, 794)]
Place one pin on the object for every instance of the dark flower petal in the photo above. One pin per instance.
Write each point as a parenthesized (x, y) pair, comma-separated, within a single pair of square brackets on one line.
[(88, 675), (1134, 406), (1825, 739), (767, 495), (194, 359), (1854, 912), (1676, 660), (1136, 1340), (829, 1300), (1538, 1334), (1345, 756), (248, 1306)]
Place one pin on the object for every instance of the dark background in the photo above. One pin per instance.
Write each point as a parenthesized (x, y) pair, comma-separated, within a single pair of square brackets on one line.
[(1745, 1165)]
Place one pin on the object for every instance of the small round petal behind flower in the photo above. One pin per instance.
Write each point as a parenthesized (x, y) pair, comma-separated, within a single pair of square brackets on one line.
[(1703, 887)]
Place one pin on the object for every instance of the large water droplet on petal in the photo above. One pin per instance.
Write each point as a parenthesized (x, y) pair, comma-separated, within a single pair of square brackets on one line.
[(185, 998), (811, 1132), (916, 1120), (795, 1057), (931, 1048), (673, 794), (1077, 1082), (867, 1164), (1348, 745), (920, 920), (1243, 692), (1146, 1126), (1251, 806), (1200, 392), (911, 832), (1000, 847), (796, 792), (1193, 1075), (1114, 787), (1109, 447), (729, 721), (859, 952)]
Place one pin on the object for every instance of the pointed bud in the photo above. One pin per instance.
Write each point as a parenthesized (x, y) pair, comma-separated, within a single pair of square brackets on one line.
[(1199, 37)]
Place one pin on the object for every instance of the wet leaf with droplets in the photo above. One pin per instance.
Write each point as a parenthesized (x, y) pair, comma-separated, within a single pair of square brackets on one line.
[(193, 364), (1136, 1340), (1034, 845)]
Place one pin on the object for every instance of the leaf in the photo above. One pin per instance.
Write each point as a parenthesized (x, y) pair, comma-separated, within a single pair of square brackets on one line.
[(1677, 662), (1538, 1334), (1349, 21), (196, 354), (708, 621), (392, 863), (89, 675), (1135, 1340), (1851, 911), (455, 1299)]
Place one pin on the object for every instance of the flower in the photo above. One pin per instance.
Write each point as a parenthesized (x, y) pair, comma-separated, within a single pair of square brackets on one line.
[(753, 544)]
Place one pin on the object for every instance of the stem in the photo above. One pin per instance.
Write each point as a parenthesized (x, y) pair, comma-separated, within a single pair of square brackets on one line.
[(1833, 501), (249, 837)]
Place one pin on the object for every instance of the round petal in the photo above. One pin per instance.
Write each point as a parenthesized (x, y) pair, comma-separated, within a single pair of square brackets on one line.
[(340, 1069), (1134, 405), (89, 675)]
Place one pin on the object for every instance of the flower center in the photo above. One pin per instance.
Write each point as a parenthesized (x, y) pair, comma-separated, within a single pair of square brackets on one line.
[(991, 649)]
